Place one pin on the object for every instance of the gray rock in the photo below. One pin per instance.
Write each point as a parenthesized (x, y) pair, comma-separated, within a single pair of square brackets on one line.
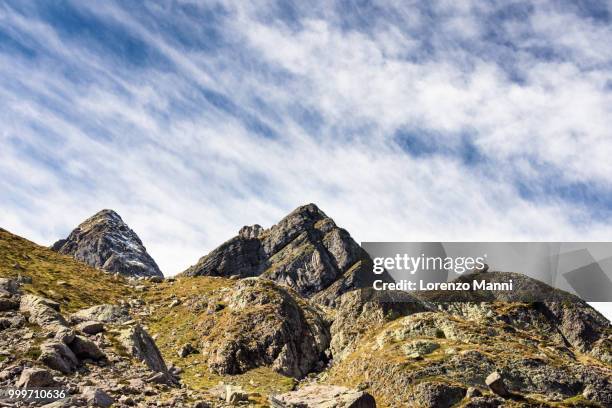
[(64, 334), (14, 321), (234, 395), (90, 327), (495, 382), (63, 403), (43, 312), (57, 355), (473, 392), (95, 397), (35, 378), (84, 348), (485, 402), (420, 347), (323, 396), (140, 344), (10, 285), (105, 241), (186, 350), (437, 395), (8, 304), (102, 313)]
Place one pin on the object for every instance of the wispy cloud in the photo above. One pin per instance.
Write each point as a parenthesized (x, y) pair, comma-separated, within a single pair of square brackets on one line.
[(403, 120)]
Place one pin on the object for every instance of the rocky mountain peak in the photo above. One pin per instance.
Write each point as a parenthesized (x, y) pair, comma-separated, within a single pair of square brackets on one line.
[(305, 250), (105, 241)]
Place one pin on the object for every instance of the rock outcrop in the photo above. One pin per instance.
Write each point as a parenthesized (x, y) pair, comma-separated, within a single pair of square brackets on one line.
[(265, 325), (323, 396), (305, 251), (104, 241)]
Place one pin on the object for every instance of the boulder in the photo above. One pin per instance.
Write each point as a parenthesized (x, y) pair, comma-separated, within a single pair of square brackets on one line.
[(234, 395), (323, 396), (140, 344), (57, 355), (495, 382), (96, 397), (7, 304), (437, 395), (186, 350), (64, 334), (43, 312), (35, 378), (14, 321), (9, 285), (84, 348), (420, 347), (90, 327), (103, 314)]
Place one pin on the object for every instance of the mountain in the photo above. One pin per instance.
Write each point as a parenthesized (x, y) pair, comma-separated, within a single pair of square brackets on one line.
[(265, 324), (104, 241), (305, 251)]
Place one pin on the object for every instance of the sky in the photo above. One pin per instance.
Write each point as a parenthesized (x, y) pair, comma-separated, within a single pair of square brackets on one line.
[(403, 120)]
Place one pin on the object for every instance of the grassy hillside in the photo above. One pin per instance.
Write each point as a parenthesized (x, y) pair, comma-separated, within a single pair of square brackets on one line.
[(190, 322), (73, 284)]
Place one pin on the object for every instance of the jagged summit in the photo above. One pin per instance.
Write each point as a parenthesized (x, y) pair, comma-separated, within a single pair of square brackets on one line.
[(305, 250), (105, 241)]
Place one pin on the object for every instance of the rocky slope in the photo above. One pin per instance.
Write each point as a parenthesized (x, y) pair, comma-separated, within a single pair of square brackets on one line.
[(305, 251), (105, 241), (262, 328)]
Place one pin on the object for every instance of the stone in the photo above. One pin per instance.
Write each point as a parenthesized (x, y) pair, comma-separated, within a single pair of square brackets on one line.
[(103, 314), (140, 345), (84, 348), (186, 350), (104, 241), (420, 348), (235, 395), (495, 382), (64, 334), (319, 396), (58, 356), (97, 397), (10, 285), (90, 327), (43, 312), (436, 395), (35, 378), (473, 392), (126, 400), (8, 304), (160, 378)]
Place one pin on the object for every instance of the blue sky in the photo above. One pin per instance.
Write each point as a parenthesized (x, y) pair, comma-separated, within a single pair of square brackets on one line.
[(432, 120)]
